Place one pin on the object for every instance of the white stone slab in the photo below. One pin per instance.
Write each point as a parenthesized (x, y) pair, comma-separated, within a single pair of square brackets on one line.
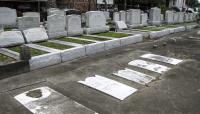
[(164, 59), (135, 76), (120, 25), (131, 39), (50, 101), (11, 38), (149, 66), (108, 86), (110, 44), (95, 48), (35, 34)]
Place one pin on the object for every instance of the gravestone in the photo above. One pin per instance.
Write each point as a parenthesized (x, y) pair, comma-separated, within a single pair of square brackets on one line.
[(176, 17), (58, 12), (1, 28), (56, 26), (11, 38), (107, 15), (116, 16), (120, 25), (122, 15), (28, 22), (169, 17), (31, 14), (50, 10), (83, 18), (8, 17), (190, 17), (181, 17), (154, 16), (95, 22), (144, 18), (134, 18), (35, 34), (127, 17), (186, 17), (161, 17), (73, 25)]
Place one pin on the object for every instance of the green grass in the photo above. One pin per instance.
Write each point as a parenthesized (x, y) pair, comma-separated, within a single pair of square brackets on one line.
[(75, 40), (7, 29), (153, 28), (169, 26), (34, 52), (54, 45), (94, 38), (113, 34), (5, 59)]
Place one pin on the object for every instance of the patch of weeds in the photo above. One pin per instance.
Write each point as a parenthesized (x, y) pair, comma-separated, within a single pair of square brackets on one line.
[(75, 40), (54, 45), (113, 34), (153, 28), (94, 38), (34, 52), (5, 59), (7, 29)]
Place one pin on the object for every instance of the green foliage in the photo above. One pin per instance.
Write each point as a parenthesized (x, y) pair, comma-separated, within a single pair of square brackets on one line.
[(54, 45), (34, 52), (113, 34), (94, 38), (75, 40), (5, 59)]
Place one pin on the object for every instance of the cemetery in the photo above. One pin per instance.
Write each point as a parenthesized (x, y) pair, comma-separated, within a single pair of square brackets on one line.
[(103, 61)]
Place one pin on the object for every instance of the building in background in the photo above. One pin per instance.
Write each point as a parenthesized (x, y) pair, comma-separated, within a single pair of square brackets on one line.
[(180, 4)]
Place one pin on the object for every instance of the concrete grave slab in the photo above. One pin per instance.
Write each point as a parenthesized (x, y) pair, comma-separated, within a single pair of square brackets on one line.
[(35, 34), (11, 38), (164, 59), (109, 87), (95, 48), (112, 44), (149, 66), (131, 39), (135, 76), (45, 100)]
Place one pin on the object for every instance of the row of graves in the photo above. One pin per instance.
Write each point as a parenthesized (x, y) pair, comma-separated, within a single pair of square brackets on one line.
[(63, 38)]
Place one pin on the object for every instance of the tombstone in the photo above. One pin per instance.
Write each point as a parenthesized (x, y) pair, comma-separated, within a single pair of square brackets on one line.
[(161, 17), (95, 22), (186, 17), (194, 17), (58, 12), (116, 16), (50, 10), (190, 17), (35, 34), (31, 14), (120, 25), (56, 26), (134, 18), (181, 17), (73, 25), (154, 16), (1, 28), (169, 17), (8, 17), (28, 22), (176, 17), (122, 15), (107, 15), (144, 18), (83, 18), (127, 17), (11, 38)]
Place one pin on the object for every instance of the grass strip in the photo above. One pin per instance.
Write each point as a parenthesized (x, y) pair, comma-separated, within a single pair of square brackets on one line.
[(75, 40), (54, 45), (113, 34), (94, 38), (5, 59), (34, 52)]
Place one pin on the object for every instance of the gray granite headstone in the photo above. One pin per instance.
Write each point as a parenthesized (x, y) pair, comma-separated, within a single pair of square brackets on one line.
[(95, 22), (144, 18), (169, 17), (186, 17), (8, 17), (176, 17), (122, 15), (154, 16), (73, 25), (116, 16), (11, 38), (56, 26), (181, 17), (134, 18), (28, 22), (35, 34)]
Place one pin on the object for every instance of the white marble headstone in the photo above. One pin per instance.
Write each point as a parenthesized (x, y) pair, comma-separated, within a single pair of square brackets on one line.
[(180, 17), (154, 16), (169, 17), (8, 17), (11, 38), (110, 87), (122, 15), (56, 26), (28, 22), (73, 25), (49, 101), (116, 16), (35, 34), (144, 18), (107, 14), (176, 17), (120, 25), (134, 17), (31, 14)]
